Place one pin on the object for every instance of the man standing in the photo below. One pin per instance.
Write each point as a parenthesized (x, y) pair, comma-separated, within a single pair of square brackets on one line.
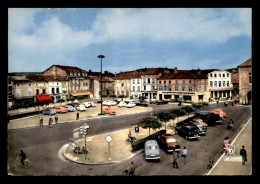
[(41, 122), (175, 158), (244, 155), (184, 153), (23, 157), (77, 117), (56, 119), (131, 169)]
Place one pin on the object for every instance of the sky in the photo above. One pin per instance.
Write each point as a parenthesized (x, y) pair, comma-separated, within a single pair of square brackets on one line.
[(129, 38)]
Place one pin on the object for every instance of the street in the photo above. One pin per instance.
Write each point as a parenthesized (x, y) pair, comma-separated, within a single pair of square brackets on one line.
[(43, 144)]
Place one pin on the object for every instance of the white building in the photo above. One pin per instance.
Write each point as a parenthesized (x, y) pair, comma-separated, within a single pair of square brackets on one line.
[(136, 86), (55, 90), (220, 85)]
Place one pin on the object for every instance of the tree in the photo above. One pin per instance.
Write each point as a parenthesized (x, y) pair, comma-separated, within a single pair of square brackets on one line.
[(141, 98), (165, 117), (153, 123), (178, 113), (187, 109)]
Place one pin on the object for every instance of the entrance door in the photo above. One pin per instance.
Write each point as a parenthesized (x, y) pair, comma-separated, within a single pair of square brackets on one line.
[(160, 96), (249, 97)]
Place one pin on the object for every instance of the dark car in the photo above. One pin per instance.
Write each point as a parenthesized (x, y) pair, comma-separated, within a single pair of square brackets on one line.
[(161, 102), (208, 117), (168, 143), (142, 104), (202, 130), (188, 131)]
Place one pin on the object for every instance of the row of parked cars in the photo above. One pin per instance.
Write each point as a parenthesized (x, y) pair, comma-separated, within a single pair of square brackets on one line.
[(192, 128)]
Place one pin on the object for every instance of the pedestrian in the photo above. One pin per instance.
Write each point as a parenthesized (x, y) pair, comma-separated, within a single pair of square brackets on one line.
[(243, 154), (23, 157), (77, 116), (50, 122), (41, 122), (232, 103), (56, 119), (131, 169), (226, 142), (217, 102), (175, 158), (184, 153)]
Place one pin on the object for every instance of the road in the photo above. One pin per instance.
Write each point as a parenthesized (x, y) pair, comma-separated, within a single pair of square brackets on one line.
[(42, 146)]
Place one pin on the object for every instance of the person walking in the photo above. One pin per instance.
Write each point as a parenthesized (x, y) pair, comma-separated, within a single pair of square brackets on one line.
[(225, 146), (56, 119), (175, 158), (184, 153), (50, 122), (41, 122), (23, 157), (243, 154), (77, 116), (131, 169)]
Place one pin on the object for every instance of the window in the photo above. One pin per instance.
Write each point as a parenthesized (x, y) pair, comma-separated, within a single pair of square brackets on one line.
[(144, 80), (199, 88), (18, 93), (183, 81), (138, 81), (153, 88), (37, 92), (183, 88), (219, 83), (211, 75), (29, 92), (250, 77), (176, 82), (133, 81), (164, 82), (205, 88), (219, 75), (133, 88), (122, 93), (227, 74), (215, 84), (153, 80), (211, 84), (190, 81), (57, 90), (169, 81), (215, 75), (224, 84), (122, 84), (227, 83), (138, 88), (176, 88), (118, 93), (148, 80), (223, 75), (52, 90), (160, 88), (190, 88), (127, 93), (43, 91), (160, 82), (144, 88)]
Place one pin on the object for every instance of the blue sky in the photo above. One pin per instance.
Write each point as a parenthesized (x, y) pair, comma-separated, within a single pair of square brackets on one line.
[(129, 38)]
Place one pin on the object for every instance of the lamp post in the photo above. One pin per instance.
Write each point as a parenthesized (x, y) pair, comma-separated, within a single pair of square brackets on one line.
[(101, 56)]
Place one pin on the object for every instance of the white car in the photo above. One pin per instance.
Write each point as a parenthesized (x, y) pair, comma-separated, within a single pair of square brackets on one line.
[(122, 104), (92, 104), (109, 103), (86, 104), (81, 107), (130, 104)]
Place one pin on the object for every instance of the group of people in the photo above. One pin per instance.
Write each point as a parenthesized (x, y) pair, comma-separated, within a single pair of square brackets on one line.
[(184, 153), (50, 121)]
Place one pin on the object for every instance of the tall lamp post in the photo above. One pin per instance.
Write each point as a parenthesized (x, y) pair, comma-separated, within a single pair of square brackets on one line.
[(101, 56)]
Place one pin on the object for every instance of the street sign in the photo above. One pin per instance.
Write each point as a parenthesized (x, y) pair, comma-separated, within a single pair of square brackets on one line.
[(109, 138)]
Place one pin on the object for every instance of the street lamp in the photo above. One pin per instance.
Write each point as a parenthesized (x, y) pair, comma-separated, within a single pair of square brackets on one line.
[(101, 56)]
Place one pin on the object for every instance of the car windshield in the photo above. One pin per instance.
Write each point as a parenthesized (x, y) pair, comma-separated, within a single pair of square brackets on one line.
[(171, 140)]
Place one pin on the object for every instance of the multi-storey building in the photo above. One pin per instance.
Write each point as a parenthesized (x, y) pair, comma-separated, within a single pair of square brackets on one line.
[(95, 85), (136, 85), (220, 85), (184, 85), (245, 82), (78, 83), (122, 84)]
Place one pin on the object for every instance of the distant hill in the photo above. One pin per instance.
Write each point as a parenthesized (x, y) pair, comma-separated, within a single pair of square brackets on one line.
[(22, 73), (232, 70)]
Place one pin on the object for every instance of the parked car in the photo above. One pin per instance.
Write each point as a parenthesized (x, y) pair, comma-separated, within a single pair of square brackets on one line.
[(86, 104), (122, 104), (142, 104), (220, 112), (152, 150), (130, 104), (187, 131), (208, 117), (73, 104), (109, 110), (205, 125), (81, 107), (202, 130), (69, 108), (49, 111), (109, 103), (168, 142), (60, 109), (161, 102), (92, 104)]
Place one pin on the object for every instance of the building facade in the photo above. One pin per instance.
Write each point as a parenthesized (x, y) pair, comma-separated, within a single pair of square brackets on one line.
[(220, 85), (245, 82)]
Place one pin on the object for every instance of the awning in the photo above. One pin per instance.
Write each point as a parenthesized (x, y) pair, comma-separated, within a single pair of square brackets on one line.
[(81, 94), (44, 98)]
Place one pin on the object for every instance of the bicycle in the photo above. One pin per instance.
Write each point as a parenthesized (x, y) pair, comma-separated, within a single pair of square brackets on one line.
[(27, 163), (130, 139)]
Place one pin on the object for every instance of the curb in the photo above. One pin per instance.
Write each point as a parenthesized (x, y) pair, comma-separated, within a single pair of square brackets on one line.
[(63, 148)]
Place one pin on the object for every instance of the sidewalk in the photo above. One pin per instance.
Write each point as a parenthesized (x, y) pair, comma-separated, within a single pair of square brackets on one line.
[(234, 167)]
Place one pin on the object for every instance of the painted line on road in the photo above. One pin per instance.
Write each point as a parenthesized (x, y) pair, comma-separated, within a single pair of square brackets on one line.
[(231, 143)]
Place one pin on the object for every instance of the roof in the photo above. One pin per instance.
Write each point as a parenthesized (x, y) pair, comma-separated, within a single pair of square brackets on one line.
[(246, 63), (70, 68), (128, 75), (187, 74), (44, 78), (104, 79), (234, 78)]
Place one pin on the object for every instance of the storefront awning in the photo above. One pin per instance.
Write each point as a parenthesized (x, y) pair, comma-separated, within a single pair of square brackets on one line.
[(44, 98), (81, 94)]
